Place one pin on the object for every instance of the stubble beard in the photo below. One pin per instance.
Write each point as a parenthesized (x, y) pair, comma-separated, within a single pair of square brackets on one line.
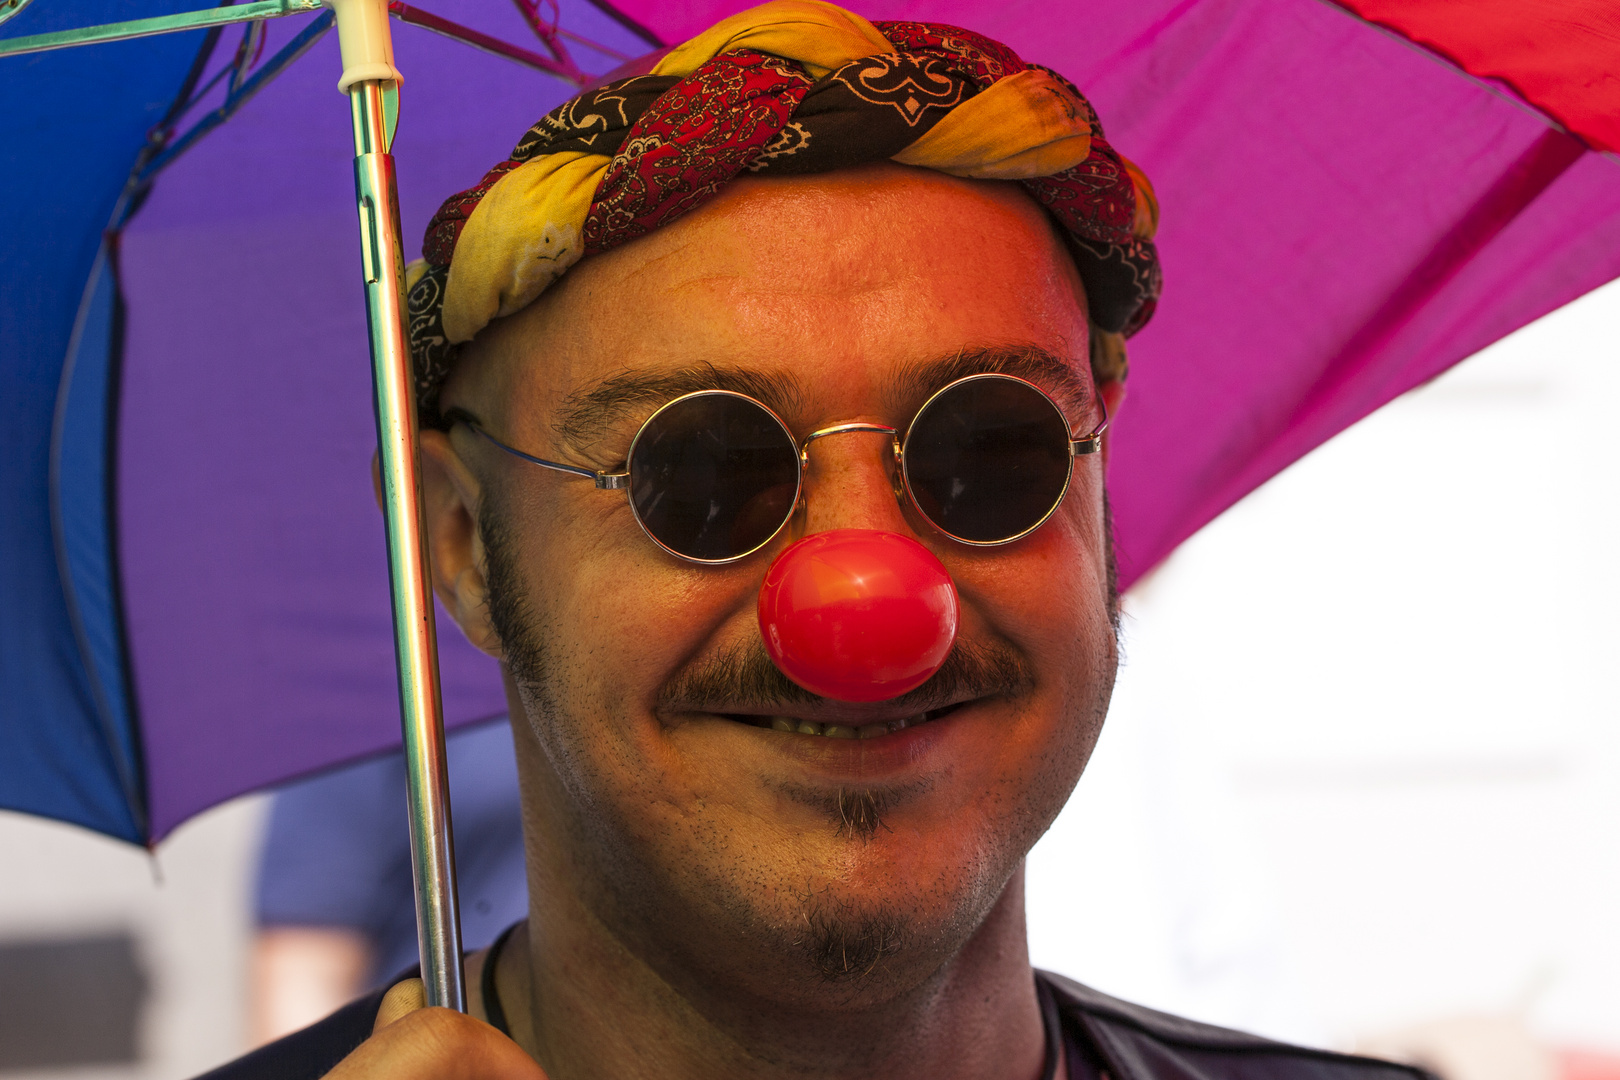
[(838, 942), (841, 942)]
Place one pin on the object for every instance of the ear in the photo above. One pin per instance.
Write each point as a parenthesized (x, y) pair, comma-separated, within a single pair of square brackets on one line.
[(1112, 393), (450, 500)]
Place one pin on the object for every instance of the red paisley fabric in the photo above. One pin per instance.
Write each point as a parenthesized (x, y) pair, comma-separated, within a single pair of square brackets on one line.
[(698, 135), (675, 142)]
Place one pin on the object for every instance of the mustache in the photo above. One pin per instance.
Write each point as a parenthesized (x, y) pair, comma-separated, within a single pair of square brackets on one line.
[(744, 675)]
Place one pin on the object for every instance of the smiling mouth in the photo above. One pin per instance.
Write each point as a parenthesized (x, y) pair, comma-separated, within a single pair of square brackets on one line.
[(795, 726)]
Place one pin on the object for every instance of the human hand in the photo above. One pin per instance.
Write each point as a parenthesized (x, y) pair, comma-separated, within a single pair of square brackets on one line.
[(412, 1042)]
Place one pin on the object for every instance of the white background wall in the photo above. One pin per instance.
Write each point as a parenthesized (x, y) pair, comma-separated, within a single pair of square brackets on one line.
[(187, 906), (1363, 766)]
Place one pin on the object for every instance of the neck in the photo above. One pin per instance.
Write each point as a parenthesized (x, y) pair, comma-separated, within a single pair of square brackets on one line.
[(584, 1006)]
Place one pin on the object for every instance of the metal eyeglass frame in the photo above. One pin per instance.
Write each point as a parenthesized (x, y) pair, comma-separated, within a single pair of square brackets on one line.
[(1079, 446)]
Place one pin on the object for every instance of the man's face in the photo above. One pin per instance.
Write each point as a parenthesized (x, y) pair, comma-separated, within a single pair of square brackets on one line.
[(659, 796)]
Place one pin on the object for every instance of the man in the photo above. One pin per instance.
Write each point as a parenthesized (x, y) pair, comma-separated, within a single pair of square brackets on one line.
[(857, 233)]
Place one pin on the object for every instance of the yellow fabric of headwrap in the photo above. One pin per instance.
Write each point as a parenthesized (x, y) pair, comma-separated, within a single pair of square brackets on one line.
[(820, 36), (1028, 124), (526, 231), (524, 234), (812, 88)]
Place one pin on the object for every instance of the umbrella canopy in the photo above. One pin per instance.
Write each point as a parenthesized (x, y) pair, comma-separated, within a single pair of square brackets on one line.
[(1356, 197)]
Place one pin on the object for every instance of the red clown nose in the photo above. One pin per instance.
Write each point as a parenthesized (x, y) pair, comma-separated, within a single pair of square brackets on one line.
[(858, 614)]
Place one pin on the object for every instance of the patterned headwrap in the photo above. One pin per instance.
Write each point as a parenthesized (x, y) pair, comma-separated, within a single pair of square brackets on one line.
[(789, 87)]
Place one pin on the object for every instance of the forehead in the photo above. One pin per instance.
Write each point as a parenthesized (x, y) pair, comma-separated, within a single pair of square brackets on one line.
[(834, 283)]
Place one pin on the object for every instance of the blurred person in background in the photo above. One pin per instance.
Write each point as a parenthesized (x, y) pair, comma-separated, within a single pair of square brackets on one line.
[(334, 905)]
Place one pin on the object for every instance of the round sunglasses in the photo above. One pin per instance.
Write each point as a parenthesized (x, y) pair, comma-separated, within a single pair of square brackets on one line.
[(714, 476)]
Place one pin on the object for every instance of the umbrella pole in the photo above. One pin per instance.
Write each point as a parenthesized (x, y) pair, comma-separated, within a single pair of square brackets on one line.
[(368, 61)]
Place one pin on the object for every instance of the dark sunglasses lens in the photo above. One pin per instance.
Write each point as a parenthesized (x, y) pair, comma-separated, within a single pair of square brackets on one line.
[(713, 476), (988, 459)]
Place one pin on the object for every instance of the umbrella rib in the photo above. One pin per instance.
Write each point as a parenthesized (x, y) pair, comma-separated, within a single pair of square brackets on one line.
[(1501, 89), (628, 23), (547, 33), (298, 46), (594, 46), (467, 36), (162, 24), (271, 9)]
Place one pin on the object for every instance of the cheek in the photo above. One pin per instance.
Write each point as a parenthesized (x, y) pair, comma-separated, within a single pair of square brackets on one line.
[(1048, 595), (624, 615), (1048, 592)]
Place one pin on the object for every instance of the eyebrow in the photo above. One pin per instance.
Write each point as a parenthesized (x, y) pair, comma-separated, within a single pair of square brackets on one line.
[(587, 413), (1051, 372)]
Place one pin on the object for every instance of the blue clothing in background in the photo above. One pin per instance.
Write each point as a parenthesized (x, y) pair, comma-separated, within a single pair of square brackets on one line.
[(337, 850)]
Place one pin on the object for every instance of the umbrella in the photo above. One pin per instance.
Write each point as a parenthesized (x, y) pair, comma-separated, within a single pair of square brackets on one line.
[(85, 464), (1357, 196)]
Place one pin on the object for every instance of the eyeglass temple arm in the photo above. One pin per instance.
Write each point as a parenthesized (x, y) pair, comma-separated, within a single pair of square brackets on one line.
[(1091, 441), (610, 481)]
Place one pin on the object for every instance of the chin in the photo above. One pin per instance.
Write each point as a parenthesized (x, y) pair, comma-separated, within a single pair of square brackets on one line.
[(835, 924)]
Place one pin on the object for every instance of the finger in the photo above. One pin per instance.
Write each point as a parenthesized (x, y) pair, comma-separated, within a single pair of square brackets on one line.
[(402, 999), (437, 1044)]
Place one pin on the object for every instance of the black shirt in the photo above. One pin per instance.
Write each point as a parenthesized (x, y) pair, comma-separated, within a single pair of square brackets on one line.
[(1103, 1039)]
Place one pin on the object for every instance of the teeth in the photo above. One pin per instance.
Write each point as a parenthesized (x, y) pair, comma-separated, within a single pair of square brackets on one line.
[(849, 731)]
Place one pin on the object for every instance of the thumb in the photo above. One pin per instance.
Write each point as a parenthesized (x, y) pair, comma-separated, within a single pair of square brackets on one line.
[(402, 999)]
